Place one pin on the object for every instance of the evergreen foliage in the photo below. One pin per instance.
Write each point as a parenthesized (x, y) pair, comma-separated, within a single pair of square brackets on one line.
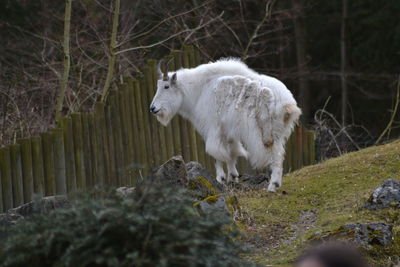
[(154, 226)]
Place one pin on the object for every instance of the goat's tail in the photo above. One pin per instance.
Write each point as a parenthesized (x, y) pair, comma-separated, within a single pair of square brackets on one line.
[(292, 114)]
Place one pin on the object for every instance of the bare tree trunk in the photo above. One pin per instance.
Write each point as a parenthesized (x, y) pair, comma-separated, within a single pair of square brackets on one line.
[(67, 61), (343, 61), (113, 46), (301, 52)]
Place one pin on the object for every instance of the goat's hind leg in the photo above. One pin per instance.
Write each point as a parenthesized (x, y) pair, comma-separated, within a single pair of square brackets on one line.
[(236, 150), (216, 148)]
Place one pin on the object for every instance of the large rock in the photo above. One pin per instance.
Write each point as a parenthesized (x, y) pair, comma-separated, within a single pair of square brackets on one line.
[(361, 234), (172, 171), (195, 169), (30, 209), (200, 180), (386, 195), (212, 205), (41, 206)]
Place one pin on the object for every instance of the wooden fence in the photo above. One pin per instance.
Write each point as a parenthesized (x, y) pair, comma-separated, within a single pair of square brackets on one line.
[(116, 143)]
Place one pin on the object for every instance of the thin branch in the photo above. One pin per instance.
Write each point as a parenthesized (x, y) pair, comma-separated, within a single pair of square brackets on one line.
[(170, 37), (268, 8), (165, 20), (388, 127)]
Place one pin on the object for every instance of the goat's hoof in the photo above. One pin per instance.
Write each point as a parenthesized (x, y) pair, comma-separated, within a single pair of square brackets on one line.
[(221, 179), (233, 178), (272, 187)]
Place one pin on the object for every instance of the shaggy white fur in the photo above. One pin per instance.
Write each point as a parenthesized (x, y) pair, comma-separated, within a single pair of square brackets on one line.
[(237, 111)]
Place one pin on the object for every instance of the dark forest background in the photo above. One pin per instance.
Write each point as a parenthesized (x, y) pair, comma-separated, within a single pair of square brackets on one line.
[(340, 58)]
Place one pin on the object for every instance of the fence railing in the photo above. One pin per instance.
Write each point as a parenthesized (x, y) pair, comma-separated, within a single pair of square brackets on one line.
[(115, 144)]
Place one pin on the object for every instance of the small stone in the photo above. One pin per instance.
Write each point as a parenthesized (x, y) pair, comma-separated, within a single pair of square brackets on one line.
[(124, 191), (385, 196)]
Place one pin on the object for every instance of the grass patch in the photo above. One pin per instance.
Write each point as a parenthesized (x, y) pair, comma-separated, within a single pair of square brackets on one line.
[(335, 190)]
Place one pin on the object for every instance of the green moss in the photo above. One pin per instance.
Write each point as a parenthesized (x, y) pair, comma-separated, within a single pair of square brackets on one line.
[(336, 189), (202, 186), (209, 200)]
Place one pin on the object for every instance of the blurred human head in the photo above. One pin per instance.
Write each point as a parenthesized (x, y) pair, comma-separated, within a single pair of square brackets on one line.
[(331, 255)]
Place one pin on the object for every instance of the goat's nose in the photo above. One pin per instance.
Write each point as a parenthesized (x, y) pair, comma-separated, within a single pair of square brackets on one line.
[(152, 109)]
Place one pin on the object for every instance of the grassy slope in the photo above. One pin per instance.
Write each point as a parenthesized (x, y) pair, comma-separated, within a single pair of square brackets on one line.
[(336, 189)]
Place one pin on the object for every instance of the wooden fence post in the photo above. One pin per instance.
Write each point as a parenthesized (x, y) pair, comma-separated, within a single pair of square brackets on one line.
[(101, 123), (59, 162), (153, 139), (70, 169), (16, 165), (96, 155), (118, 142), (48, 163), (130, 102), (125, 135), (311, 143), (104, 154), (289, 154), (37, 164), (6, 183), (144, 135), (87, 151), (27, 172), (111, 145), (78, 150)]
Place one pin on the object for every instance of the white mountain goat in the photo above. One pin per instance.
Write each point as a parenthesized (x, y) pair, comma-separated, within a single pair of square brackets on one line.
[(237, 111)]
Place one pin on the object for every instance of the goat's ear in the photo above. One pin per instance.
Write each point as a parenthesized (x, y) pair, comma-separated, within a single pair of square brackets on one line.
[(173, 78)]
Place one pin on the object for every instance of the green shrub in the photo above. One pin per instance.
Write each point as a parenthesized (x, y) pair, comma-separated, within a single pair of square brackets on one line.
[(154, 226)]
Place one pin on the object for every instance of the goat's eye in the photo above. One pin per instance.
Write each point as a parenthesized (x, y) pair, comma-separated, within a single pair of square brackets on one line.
[(166, 87)]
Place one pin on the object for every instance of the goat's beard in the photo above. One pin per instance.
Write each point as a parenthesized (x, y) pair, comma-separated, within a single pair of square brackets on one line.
[(164, 118), (167, 112)]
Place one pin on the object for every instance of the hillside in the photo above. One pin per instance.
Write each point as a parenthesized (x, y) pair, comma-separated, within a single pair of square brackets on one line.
[(321, 198)]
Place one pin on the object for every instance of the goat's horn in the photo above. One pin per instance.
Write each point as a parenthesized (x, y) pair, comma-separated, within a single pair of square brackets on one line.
[(159, 68), (165, 77)]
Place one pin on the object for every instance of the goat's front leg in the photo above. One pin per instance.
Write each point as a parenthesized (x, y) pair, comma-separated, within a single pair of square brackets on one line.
[(233, 174), (276, 167), (220, 172)]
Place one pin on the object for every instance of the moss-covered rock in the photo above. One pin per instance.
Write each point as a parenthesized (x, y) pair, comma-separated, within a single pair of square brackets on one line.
[(387, 195), (202, 188), (363, 235), (195, 170), (215, 204), (173, 171)]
